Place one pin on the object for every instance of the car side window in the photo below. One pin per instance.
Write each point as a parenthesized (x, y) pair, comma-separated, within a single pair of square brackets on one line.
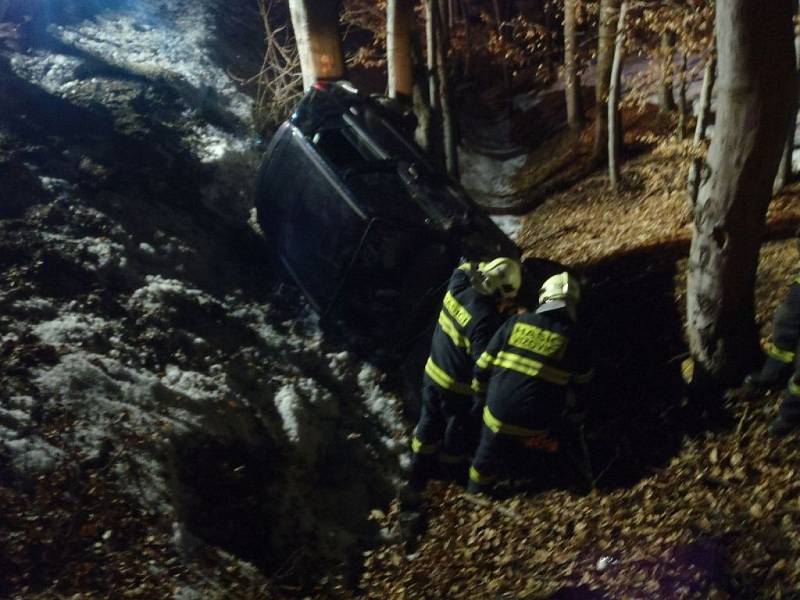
[(342, 147)]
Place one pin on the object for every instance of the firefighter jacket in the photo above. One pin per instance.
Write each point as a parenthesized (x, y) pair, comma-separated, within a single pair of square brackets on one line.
[(527, 369), (786, 328), (467, 321)]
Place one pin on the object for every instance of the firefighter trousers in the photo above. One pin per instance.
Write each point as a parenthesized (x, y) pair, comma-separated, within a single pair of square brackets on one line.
[(536, 460), (781, 350), (446, 433), (790, 405)]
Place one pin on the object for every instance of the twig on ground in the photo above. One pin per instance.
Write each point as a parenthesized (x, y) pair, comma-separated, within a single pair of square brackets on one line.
[(741, 421)]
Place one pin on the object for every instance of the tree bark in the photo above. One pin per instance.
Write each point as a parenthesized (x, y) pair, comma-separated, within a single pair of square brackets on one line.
[(399, 14), (666, 99), (784, 175), (614, 125), (572, 81), (316, 30), (431, 9), (467, 41), (419, 97), (703, 116), (755, 99), (449, 129), (682, 99), (498, 19), (444, 21), (605, 55)]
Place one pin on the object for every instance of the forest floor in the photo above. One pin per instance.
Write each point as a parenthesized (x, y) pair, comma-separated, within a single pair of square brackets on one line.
[(690, 497)]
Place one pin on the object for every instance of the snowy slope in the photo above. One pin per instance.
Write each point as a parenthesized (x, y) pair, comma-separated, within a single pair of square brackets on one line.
[(141, 328)]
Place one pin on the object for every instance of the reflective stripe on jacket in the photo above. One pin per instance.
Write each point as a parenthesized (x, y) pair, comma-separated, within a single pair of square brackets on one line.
[(527, 369), (466, 323)]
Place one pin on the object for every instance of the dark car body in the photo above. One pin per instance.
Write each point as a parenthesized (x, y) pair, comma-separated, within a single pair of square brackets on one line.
[(363, 223)]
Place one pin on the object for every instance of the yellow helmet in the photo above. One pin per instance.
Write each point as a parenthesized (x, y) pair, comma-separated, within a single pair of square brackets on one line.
[(501, 276), (562, 290)]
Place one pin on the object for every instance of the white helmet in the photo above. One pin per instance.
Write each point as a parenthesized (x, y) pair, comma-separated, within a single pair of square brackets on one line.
[(501, 276), (560, 291)]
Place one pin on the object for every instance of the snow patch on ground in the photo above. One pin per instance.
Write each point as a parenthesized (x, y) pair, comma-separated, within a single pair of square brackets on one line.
[(111, 402), (308, 412), (30, 454), (53, 72), (70, 328), (257, 317), (509, 224), (167, 35), (384, 406), (198, 387), (151, 297), (488, 179), (212, 143)]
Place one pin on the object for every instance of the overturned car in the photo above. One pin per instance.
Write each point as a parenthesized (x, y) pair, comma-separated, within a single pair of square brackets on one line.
[(364, 224)]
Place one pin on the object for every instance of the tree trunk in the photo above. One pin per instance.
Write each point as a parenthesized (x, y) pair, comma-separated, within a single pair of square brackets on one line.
[(756, 94), (444, 21), (682, 100), (703, 116), (419, 98), (614, 125), (449, 129), (572, 82), (498, 19), (784, 175), (605, 55), (467, 40), (434, 134), (316, 29), (666, 99), (399, 14), (431, 9)]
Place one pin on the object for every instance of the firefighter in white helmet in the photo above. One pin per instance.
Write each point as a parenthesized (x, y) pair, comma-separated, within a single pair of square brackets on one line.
[(447, 431), (527, 374)]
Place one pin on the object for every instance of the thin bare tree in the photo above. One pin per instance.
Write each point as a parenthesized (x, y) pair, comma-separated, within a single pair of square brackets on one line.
[(448, 117), (666, 98), (614, 121), (399, 15), (607, 27), (683, 103), (572, 81)]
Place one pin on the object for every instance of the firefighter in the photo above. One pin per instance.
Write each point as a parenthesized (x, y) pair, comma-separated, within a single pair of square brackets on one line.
[(781, 350), (528, 373), (447, 430), (781, 360)]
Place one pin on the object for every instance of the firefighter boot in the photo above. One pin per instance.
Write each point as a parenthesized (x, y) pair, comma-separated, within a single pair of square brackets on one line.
[(788, 419), (780, 427), (423, 467), (772, 375), (410, 526), (473, 487)]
